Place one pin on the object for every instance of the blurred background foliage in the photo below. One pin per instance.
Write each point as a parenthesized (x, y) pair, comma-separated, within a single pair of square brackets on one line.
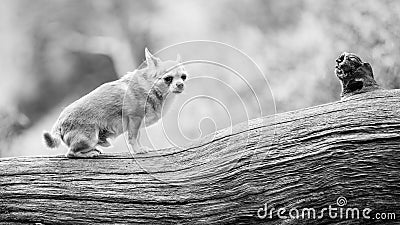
[(53, 52)]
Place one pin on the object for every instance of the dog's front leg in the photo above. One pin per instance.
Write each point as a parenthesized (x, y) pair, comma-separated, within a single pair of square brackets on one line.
[(133, 132)]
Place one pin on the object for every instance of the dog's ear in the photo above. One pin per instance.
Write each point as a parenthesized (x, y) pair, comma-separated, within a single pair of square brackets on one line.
[(151, 60), (178, 58)]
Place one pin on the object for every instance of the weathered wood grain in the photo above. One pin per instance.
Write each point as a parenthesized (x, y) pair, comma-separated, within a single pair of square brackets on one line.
[(305, 158)]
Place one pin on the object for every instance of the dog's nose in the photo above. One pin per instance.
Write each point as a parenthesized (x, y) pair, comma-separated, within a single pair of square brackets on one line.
[(179, 85)]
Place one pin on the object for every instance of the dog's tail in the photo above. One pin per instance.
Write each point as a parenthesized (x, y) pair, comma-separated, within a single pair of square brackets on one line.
[(52, 140)]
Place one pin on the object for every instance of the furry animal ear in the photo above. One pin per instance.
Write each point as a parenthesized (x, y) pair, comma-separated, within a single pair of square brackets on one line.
[(178, 58), (151, 60)]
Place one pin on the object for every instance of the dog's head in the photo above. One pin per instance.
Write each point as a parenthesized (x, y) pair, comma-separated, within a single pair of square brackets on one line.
[(168, 76)]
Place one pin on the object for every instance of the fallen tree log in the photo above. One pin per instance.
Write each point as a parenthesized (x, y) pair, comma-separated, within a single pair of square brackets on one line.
[(331, 164), (311, 158)]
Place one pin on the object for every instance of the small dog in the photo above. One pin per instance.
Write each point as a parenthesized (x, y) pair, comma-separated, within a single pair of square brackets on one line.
[(135, 100)]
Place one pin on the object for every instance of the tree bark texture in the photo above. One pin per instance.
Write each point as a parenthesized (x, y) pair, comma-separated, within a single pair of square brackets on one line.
[(301, 159)]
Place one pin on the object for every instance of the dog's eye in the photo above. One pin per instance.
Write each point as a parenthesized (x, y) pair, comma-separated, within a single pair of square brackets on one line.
[(168, 79), (183, 76)]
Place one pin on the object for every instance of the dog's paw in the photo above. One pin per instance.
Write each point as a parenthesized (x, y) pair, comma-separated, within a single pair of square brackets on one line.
[(143, 150), (90, 154)]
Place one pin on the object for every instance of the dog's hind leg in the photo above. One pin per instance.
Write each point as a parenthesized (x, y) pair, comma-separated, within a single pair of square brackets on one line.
[(82, 144)]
